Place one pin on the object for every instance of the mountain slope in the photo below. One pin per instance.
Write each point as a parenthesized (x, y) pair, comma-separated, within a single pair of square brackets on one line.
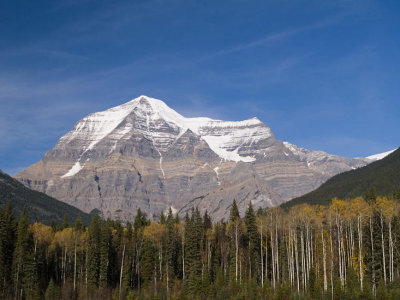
[(40, 206), (383, 175), (143, 154)]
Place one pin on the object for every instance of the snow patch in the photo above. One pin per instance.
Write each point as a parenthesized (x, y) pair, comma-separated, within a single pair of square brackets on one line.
[(380, 155), (216, 172), (174, 210), (225, 138), (292, 148), (74, 170)]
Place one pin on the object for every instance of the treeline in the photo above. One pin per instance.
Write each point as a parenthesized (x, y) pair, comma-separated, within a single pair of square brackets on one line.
[(347, 250)]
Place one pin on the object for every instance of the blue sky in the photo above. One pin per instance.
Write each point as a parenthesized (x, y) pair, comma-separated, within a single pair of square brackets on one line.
[(322, 74)]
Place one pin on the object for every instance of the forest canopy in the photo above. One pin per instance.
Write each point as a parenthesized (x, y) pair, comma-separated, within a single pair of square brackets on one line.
[(348, 249)]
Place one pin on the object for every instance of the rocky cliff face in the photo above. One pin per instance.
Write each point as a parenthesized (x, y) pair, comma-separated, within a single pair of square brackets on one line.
[(142, 154)]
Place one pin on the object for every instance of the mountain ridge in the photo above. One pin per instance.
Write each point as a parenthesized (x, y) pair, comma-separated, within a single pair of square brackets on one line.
[(382, 175), (41, 207), (143, 154)]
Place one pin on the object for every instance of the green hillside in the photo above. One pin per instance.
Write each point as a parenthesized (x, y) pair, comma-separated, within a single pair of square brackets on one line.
[(40, 206), (383, 175)]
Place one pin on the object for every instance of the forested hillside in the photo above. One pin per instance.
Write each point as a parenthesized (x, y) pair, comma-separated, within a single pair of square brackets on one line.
[(348, 250), (41, 207), (382, 175)]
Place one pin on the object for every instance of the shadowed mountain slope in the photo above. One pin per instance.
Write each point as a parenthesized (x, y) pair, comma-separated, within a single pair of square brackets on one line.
[(40, 207), (383, 175)]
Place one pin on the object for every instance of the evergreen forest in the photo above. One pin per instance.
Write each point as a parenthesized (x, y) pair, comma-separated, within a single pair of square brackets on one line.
[(347, 250)]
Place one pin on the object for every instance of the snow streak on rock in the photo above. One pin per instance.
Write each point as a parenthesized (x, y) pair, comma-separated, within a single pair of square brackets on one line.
[(225, 138)]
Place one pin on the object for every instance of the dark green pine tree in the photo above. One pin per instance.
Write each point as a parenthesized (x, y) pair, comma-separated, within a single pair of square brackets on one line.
[(171, 249), (207, 221), (207, 272), (234, 235), (128, 256), (93, 253), (193, 252), (78, 224), (8, 231), (52, 291), (253, 242), (24, 265), (352, 290), (2, 231), (116, 251), (370, 196), (53, 226), (148, 262), (140, 220), (177, 220), (234, 213), (162, 218), (137, 245), (65, 223), (105, 243)]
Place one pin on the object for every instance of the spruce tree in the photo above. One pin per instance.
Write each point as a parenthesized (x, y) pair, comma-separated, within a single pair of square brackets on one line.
[(93, 253), (162, 218), (78, 224), (138, 243), (52, 291), (193, 252), (65, 223), (234, 213), (24, 264), (128, 256), (253, 241), (7, 244), (148, 261), (105, 244), (171, 248)]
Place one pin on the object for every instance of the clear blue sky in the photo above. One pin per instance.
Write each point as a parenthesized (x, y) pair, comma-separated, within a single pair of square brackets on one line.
[(322, 74)]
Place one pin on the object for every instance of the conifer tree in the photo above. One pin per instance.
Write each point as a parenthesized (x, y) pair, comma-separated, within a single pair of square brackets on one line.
[(24, 264), (93, 252), (78, 224), (65, 223), (162, 218), (128, 256), (194, 232), (234, 212), (105, 244), (7, 245), (138, 243), (253, 241), (170, 249), (52, 291), (235, 230)]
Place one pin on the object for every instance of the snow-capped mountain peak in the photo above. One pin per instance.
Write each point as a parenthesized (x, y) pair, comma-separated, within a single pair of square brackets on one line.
[(380, 155), (143, 154), (162, 125)]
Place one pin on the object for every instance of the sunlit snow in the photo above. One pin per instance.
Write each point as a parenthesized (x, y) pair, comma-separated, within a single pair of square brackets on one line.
[(74, 170), (225, 138), (380, 155)]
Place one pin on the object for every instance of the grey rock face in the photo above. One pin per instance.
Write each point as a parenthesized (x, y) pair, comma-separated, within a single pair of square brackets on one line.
[(142, 154)]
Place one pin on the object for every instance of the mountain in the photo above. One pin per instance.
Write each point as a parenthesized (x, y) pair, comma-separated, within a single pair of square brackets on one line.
[(40, 206), (143, 154), (380, 155), (383, 175)]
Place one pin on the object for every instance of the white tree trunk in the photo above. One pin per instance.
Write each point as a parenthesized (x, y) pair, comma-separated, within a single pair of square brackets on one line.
[(383, 251), (262, 258), (324, 259), (360, 251), (75, 266), (122, 269)]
